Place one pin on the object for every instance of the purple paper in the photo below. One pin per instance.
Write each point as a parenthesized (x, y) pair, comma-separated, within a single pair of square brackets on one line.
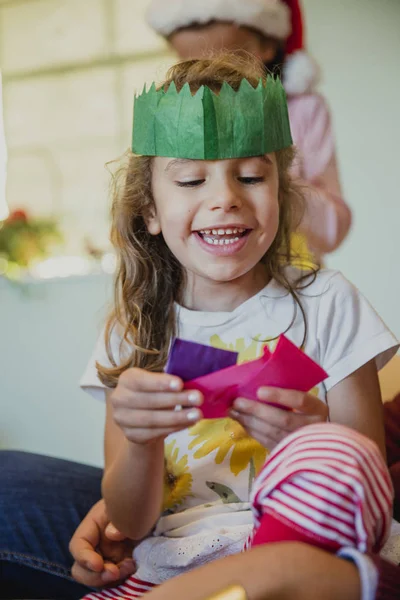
[(189, 360)]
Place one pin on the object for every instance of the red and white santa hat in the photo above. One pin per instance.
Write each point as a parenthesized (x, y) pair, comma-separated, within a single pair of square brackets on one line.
[(281, 19)]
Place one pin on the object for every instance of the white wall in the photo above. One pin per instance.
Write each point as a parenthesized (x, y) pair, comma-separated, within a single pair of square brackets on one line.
[(70, 69), (357, 44), (46, 336)]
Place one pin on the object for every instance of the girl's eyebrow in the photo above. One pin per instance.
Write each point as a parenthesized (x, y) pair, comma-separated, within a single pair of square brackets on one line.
[(177, 162), (265, 158)]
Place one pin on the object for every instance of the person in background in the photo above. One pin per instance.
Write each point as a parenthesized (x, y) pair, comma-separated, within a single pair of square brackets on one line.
[(273, 30)]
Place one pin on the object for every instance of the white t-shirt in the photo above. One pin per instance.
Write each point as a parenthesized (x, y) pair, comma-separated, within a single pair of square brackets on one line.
[(210, 466)]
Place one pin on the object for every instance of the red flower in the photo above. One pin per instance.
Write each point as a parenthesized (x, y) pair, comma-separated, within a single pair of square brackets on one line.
[(17, 215)]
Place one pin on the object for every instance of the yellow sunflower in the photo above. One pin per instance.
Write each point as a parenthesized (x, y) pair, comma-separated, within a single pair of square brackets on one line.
[(246, 352), (224, 435), (177, 477)]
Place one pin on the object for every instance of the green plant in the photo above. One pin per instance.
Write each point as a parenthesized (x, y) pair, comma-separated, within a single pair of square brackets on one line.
[(25, 240)]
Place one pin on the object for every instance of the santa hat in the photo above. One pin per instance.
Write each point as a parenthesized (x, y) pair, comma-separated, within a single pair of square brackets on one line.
[(280, 19)]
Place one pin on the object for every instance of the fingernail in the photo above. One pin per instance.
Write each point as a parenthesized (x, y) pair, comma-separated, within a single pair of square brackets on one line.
[(234, 414), (111, 529), (174, 385), (240, 404), (194, 398), (193, 415)]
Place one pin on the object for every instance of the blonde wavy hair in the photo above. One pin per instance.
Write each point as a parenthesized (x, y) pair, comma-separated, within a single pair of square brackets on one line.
[(149, 279)]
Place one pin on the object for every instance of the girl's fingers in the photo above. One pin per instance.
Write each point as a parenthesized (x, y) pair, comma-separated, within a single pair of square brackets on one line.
[(313, 406), (297, 401), (270, 415), (159, 400), (157, 419), (147, 406), (259, 428), (139, 380)]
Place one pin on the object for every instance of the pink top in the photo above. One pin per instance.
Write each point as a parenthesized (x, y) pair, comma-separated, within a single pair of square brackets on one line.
[(327, 217)]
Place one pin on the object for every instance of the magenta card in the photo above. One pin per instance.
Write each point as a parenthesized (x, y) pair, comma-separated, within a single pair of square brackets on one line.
[(287, 368)]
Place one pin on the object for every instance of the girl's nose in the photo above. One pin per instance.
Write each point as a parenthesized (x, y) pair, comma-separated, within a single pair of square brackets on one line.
[(226, 198)]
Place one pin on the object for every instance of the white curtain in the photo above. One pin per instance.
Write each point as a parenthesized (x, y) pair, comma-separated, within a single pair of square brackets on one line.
[(3, 162)]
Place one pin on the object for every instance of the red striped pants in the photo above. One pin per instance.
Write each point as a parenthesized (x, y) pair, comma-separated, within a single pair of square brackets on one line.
[(325, 485)]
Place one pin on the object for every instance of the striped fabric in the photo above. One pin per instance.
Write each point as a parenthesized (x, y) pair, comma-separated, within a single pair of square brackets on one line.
[(131, 588), (327, 484)]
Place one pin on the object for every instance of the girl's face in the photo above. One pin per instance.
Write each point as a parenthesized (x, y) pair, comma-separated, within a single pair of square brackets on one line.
[(194, 42), (218, 218)]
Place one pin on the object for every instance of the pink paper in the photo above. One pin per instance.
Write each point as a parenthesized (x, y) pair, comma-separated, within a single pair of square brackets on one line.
[(287, 368)]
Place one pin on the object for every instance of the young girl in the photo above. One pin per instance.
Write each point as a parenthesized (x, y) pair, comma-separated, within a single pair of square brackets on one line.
[(273, 31), (201, 227)]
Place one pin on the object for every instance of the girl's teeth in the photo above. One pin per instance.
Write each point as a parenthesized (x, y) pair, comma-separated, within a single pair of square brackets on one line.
[(214, 242), (217, 240), (222, 231)]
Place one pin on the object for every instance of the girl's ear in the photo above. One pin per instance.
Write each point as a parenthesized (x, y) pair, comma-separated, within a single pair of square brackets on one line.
[(152, 222)]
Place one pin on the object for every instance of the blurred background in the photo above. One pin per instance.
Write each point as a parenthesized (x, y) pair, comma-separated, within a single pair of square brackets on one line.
[(69, 72)]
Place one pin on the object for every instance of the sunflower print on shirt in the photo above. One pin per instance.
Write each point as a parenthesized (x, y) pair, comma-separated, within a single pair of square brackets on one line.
[(223, 436), (177, 477)]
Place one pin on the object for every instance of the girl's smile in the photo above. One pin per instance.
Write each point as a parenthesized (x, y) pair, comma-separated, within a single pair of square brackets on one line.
[(222, 240)]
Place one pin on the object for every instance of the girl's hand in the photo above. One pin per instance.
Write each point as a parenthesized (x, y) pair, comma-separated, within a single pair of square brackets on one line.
[(102, 555), (150, 406), (269, 424)]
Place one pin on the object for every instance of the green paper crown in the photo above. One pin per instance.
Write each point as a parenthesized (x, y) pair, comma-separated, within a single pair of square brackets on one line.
[(209, 126)]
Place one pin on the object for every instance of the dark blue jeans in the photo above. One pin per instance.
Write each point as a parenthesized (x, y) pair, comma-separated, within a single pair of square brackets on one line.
[(42, 502)]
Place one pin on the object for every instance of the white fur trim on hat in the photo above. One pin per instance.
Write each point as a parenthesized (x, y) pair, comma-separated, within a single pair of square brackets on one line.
[(271, 17), (300, 73)]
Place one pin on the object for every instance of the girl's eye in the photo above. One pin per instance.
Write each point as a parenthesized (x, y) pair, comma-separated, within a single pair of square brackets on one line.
[(251, 180), (194, 183)]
